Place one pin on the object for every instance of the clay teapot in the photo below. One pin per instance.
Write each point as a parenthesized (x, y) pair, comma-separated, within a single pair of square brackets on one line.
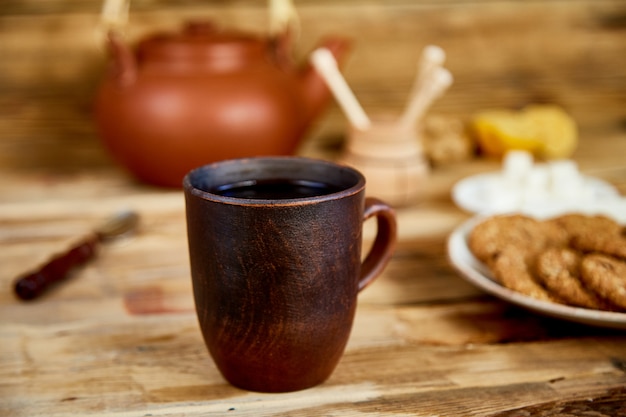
[(182, 100)]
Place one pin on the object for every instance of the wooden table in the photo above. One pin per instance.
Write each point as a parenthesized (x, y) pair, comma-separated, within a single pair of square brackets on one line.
[(120, 338)]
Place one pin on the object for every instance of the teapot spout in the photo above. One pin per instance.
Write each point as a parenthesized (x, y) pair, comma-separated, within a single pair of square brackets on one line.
[(124, 65), (315, 91)]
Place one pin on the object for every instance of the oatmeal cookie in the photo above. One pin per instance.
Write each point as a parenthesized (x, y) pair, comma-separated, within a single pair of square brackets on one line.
[(603, 241), (512, 269), (606, 276), (526, 234), (577, 224), (558, 269), (584, 226), (593, 233)]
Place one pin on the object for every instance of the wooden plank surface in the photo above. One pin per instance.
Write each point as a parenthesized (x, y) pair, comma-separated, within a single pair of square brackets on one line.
[(121, 337)]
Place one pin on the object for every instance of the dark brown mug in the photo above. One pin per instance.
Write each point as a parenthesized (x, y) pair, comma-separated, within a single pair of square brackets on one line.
[(275, 252)]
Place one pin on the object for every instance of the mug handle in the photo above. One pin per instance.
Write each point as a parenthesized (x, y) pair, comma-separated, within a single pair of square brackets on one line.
[(382, 249)]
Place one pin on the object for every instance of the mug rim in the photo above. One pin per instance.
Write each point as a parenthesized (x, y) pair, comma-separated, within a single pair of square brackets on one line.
[(193, 189)]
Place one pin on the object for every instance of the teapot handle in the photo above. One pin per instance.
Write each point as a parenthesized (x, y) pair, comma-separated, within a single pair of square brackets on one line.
[(280, 46), (284, 23), (124, 62), (114, 16)]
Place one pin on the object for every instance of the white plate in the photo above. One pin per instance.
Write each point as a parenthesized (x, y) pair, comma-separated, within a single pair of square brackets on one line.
[(479, 275), (472, 194)]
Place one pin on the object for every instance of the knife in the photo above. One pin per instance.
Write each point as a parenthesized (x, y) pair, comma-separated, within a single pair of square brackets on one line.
[(33, 284)]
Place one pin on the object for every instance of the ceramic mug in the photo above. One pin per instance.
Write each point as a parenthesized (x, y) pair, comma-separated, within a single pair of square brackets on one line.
[(275, 253)]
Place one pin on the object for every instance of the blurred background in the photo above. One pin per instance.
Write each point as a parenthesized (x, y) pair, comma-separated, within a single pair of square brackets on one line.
[(504, 53)]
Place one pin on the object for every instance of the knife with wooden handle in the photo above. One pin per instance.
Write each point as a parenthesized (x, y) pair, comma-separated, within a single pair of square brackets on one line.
[(35, 283)]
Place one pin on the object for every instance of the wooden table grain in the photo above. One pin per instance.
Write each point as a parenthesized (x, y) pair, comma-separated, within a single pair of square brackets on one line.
[(120, 338)]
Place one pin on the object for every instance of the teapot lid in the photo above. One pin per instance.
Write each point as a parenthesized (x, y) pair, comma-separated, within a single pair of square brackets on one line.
[(201, 40)]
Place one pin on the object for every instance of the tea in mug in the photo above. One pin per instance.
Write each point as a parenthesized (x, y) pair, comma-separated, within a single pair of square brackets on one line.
[(275, 189)]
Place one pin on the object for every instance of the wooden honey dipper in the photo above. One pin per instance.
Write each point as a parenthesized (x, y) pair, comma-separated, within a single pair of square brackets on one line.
[(430, 83)]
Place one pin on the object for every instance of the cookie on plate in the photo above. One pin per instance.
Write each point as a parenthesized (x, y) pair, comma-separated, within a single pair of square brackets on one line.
[(512, 268), (526, 234), (558, 269), (603, 241), (606, 276), (593, 233), (584, 226)]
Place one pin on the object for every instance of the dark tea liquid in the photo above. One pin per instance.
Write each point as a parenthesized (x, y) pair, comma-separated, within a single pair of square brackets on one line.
[(276, 189)]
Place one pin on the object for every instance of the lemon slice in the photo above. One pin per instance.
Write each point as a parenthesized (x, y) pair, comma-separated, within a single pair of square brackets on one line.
[(554, 128), (499, 131), (546, 131)]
